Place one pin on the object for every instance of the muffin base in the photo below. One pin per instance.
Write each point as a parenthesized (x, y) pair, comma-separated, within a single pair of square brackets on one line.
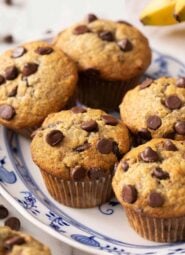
[(98, 93), (82, 194), (157, 229)]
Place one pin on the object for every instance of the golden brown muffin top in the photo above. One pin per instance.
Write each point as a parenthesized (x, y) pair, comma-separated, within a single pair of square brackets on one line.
[(13, 243), (117, 50), (35, 80), (156, 108), (151, 179), (79, 143)]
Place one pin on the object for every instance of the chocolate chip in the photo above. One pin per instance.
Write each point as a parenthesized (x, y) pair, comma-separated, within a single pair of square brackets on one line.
[(160, 174), (129, 194), (155, 199), (54, 137), (146, 83), (78, 173), (44, 50), (18, 52), (180, 127), (82, 147), (11, 73), (13, 223), (8, 2), (124, 166), (95, 173), (106, 36), (116, 151), (13, 92), (7, 112), (124, 22), (8, 39), (90, 126), (2, 80), (3, 212), (29, 69), (81, 30), (125, 45), (105, 146), (78, 109), (169, 146), (10, 242), (110, 120), (91, 17), (173, 102), (149, 155), (180, 82), (153, 122), (169, 135)]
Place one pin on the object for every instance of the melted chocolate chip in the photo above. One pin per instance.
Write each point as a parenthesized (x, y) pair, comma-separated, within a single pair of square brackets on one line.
[(82, 147), (116, 151), (13, 223), (110, 120), (90, 126), (154, 122), (106, 36), (7, 112), (173, 102), (18, 52), (13, 92), (54, 137), (125, 45), (155, 199), (2, 80), (11, 73), (169, 146), (78, 109), (3, 212), (129, 194), (8, 39), (79, 30), (95, 173), (146, 83), (44, 50), (149, 155), (160, 174), (105, 146), (91, 17), (10, 242), (180, 82), (29, 69), (124, 166), (78, 173), (180, 127)]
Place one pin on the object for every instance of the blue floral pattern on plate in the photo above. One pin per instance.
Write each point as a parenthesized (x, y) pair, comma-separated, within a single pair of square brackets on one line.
[(17, 184)]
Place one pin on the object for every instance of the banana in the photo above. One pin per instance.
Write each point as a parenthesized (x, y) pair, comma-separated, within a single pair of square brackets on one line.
[(180, 10), (159, 13)]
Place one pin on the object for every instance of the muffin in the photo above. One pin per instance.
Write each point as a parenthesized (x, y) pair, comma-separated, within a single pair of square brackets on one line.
[(155, 109), (35, 80), (14, 243), (111, 56), (82, 146), (150, 184)]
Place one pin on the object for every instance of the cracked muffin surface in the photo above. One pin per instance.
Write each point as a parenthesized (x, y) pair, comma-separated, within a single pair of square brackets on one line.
[(35, 80), (14, 243), (80, 143), (156, 108)]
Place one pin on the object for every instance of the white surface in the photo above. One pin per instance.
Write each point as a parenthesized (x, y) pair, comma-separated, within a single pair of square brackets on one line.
[(29, 20)]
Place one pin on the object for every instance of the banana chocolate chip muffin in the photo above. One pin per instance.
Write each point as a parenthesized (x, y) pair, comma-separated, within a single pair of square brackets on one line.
[(76, 151), (35, 80), (150, 184), (156, 108), (14, 243), (111, 56)]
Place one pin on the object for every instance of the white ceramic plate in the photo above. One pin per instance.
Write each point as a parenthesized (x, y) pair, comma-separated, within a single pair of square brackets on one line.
[(101, 230)]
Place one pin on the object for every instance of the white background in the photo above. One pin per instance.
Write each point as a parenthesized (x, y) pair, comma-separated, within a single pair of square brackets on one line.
[(30, 19)]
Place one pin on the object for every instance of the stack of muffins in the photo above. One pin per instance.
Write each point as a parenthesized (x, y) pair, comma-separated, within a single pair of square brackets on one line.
[(82, 152)]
